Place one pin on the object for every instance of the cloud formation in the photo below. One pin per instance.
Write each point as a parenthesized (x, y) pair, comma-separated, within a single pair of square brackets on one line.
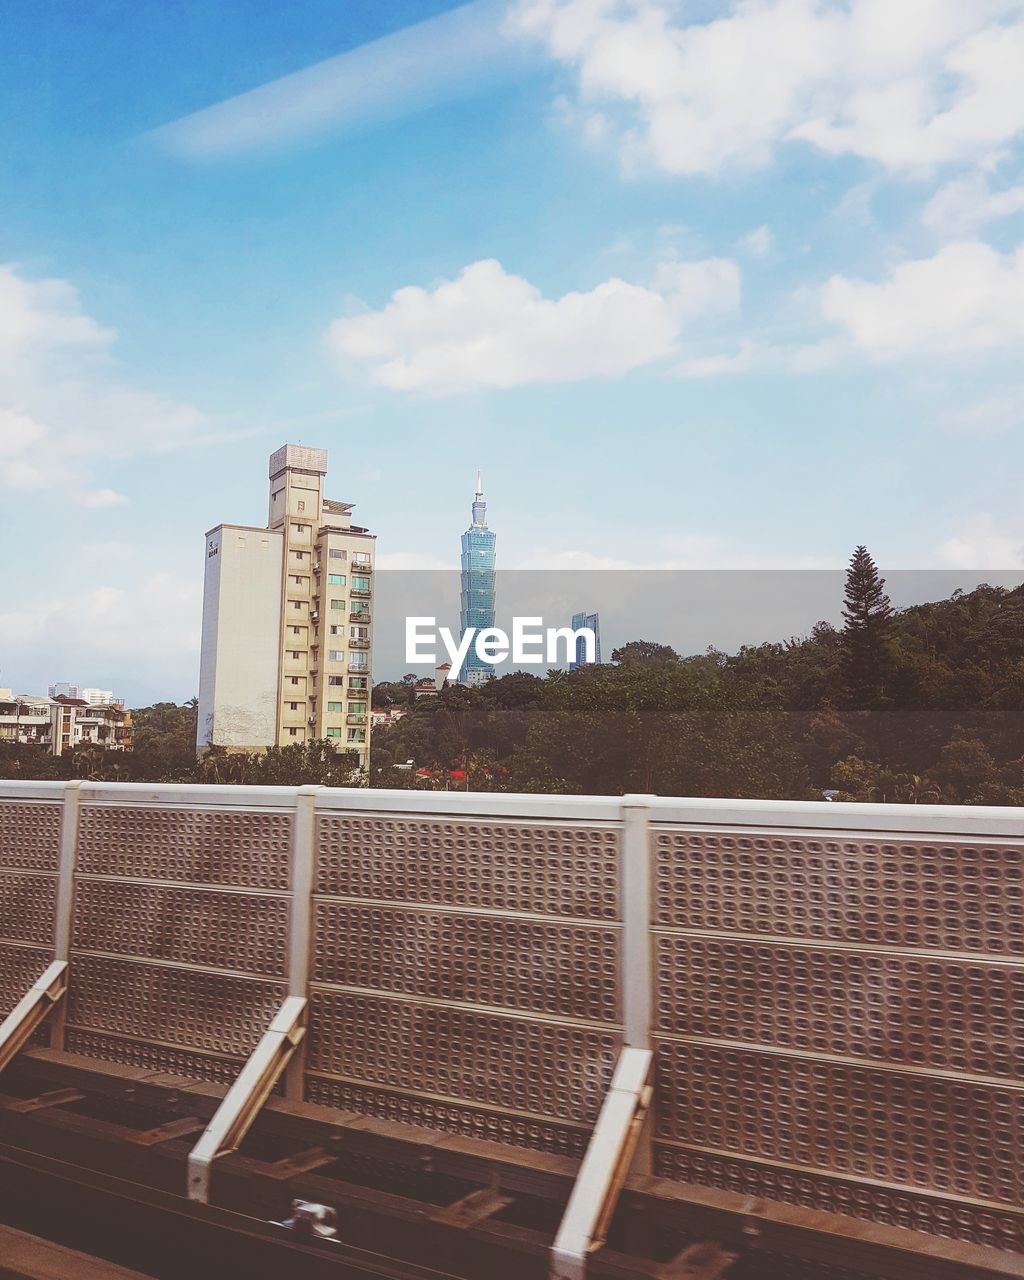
[(490, 328), (968, 297), (64, 402), (910, 85), (966, 204), (444, 59)]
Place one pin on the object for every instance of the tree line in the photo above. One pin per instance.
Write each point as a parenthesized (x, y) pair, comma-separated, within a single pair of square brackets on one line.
[(917, 705), (165, 751)]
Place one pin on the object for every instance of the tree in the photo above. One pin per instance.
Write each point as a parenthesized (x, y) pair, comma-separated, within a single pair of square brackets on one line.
[(644, 651), (866, 637)]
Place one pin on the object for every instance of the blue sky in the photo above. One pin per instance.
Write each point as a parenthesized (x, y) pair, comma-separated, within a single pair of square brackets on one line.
[(703, 284)]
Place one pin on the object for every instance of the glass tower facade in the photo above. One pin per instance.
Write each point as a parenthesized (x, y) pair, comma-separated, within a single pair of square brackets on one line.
[(593, 621), (477, 596)]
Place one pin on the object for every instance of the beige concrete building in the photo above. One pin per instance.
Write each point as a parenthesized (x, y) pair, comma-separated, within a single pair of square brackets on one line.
[(64, 722), (288, 620)]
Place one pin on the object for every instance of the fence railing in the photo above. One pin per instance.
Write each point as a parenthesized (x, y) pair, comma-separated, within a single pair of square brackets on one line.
[(832, 993)]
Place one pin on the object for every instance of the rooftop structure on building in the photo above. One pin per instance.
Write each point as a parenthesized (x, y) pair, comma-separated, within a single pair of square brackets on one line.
[(287, 620)]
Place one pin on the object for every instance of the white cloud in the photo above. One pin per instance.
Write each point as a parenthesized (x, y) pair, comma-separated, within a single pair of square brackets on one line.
[(489, 328), (97, 498), (962, 206), (443, 59), (982, 544), (968, 297), (43, 314), (64, 402), (107, 627), (758, 243), (714, 366), (17, 432), (910, 85)]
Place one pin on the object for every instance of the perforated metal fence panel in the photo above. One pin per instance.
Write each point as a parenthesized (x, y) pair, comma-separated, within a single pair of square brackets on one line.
[(466, 973), (834, 993), (179, 941), (30, 830), (838, 1022)]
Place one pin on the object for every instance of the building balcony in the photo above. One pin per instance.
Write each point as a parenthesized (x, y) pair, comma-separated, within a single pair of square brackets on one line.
[(362, 592), (355, 669), (355, 719), (359, 615), (359, 644), (357, 566)]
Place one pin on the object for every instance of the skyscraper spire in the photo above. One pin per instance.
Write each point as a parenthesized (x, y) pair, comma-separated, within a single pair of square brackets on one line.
[(479, 506)]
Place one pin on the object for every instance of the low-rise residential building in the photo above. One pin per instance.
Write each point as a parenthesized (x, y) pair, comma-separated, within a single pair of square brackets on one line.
[(63, 722)]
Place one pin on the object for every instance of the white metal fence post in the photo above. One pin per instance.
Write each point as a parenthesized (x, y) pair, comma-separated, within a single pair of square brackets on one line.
[(300, 920), (637, 968), (64, 916)]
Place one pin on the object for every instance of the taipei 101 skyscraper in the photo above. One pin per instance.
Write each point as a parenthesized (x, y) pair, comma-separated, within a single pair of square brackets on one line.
[(477, 596)]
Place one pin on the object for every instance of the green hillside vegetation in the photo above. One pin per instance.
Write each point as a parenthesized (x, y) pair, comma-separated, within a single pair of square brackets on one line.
[(920, 705)]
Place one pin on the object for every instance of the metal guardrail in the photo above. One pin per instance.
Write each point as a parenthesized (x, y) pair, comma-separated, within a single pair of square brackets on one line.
[(831, 993)]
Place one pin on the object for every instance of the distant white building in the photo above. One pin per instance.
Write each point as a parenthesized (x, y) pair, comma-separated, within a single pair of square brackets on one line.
[(86, 692)]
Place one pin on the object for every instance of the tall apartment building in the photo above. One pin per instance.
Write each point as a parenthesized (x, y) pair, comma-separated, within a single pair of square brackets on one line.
[(477, 585), (287, 620), (593, 622)]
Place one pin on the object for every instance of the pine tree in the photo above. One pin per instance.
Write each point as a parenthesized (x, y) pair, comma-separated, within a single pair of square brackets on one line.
[(868, 613)]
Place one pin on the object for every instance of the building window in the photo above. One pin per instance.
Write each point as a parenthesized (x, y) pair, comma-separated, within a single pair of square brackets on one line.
[(336, 630), (357, 660), (297, 604), (357, 682), (302, 505), (335, 554), (298, 579), (293, 706), (334, 706), (299, 555), (334, 679), (357, 735), (295, 653), (294, 679), (357, 708), (336, 655), (359, 633), (292, 733), (296, 631), (334, 733), (336, 579), (337, 604), (361, 584), (361, 557)]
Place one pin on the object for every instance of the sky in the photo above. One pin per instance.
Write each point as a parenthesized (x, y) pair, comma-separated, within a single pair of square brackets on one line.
[(695, 284)]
